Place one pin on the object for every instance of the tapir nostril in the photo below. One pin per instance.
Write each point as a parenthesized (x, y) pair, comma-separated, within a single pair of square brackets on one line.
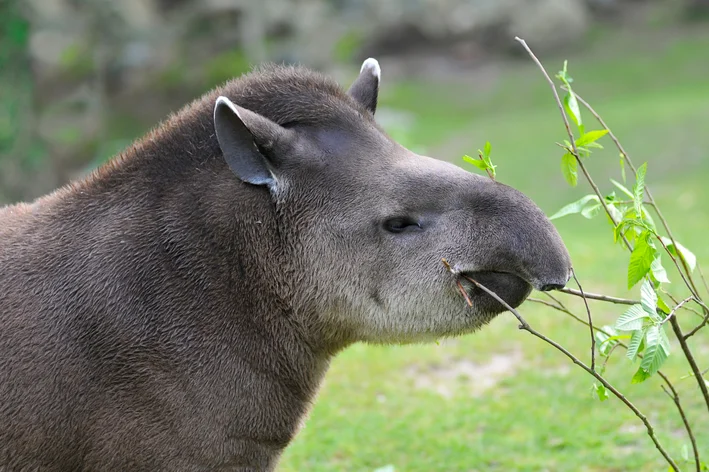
[(550, 287)]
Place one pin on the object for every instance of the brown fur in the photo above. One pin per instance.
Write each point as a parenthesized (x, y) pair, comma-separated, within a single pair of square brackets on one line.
[(162, 315)]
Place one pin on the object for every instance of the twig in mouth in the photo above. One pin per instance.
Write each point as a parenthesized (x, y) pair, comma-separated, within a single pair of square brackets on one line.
[(457, 281)]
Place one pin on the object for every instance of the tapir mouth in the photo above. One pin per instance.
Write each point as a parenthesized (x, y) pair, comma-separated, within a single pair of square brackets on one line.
[(511, 288)]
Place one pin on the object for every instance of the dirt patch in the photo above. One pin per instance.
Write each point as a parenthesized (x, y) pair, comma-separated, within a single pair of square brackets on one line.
[(455, 375)]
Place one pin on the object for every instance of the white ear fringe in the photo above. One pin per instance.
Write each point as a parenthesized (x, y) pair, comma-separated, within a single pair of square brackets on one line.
[(373, 65)]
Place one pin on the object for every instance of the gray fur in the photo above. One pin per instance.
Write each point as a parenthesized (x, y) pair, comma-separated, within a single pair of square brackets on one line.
[(177, 309)]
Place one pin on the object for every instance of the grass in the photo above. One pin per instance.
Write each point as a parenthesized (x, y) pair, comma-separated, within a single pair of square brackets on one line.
[(541, 414)]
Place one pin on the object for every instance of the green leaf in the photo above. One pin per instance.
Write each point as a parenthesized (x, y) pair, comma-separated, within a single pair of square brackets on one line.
[(606, 339), (487, 149), (594, 145), (658, 271), (635, 343), (684, 253), (663, 306), (575, 207), (602, 392), (563, 74), (648, 299), (647, 218), (632, 319), (476, 162), (622, 188), (568, 167), (613, 210), (572, 107), (591, 136), (655, 354), (664, 340), (591, 211), (639, 188), (640, 260), (640, 376), (622, 166)]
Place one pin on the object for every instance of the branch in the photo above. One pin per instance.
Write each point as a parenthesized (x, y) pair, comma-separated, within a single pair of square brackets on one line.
[(525, 326), (701, 274), (626, 157), (697, 328), (574, 149), (690, 358), (590, 321), (677, 307), (688, 279), (602, 298), (675, 301), (572, 315), (675, 397)]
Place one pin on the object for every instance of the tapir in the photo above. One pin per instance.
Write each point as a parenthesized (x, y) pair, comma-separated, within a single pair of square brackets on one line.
[(176, 309)]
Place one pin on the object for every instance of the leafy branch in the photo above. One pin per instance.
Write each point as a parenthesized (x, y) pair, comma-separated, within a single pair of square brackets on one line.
[(631, 211), (607, 385)]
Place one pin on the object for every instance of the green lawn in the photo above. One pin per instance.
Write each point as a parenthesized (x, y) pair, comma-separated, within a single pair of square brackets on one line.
[(501, 400)]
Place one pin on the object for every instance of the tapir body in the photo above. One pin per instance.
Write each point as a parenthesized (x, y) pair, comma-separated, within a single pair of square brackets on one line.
[(176, 310)]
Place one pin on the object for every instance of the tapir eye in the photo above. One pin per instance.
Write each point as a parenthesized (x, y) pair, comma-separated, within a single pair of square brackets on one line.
[(401, 224)]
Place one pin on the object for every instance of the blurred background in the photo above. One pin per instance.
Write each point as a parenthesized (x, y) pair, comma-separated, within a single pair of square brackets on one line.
[(81, 79)]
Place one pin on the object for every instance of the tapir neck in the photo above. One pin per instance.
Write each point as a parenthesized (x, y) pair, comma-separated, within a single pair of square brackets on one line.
[(180, 275)]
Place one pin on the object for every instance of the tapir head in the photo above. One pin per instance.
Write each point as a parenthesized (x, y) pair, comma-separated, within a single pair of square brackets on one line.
[(366, 222)]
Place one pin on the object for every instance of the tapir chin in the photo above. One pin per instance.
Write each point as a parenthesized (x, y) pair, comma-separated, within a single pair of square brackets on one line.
[(177, 309)]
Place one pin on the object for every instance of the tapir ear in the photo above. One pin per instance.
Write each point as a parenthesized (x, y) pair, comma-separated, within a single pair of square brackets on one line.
[(248, 141), (365, 88)]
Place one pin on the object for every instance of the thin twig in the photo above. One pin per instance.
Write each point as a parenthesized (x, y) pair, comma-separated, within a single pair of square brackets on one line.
[(595, 296), (697, 328), (626, 157), (679, 305), (574, 149), (464, 292), (692, 375), (688, 308), (682, 337), (572, 315), (556, 300), (675, 398), (701, 275), (461, 289), (590, 321), (525, 326), (690, 358), (563, 310), (687, 280), (608, 356)]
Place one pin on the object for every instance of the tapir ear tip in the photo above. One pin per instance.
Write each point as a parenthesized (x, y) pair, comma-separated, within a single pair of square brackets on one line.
[(373, 66), (222, 101)]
